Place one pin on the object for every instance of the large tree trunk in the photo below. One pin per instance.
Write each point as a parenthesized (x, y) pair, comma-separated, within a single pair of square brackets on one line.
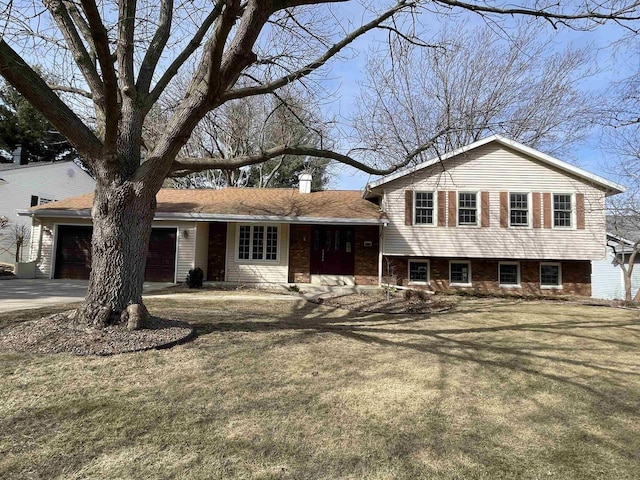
[(122, 216)]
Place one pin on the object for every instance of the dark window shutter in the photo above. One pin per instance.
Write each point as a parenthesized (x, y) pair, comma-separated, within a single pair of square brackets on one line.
[(408, 207), (442, 209), (580, 211), (485, 220), (537, 210), (504, 209), (546, 208), (453, 204)]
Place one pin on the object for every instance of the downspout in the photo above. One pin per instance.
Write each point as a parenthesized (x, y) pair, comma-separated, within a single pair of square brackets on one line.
[(381, 253)]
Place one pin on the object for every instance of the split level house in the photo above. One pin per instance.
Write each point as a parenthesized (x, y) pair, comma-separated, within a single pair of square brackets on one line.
[(492, 216)]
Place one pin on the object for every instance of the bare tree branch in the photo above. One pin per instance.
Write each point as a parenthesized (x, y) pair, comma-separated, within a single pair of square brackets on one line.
[(319, 62), (158, 43), (184, 166), (33, 88)]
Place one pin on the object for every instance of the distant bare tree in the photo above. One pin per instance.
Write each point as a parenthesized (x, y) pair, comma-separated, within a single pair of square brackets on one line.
[(475, 82)]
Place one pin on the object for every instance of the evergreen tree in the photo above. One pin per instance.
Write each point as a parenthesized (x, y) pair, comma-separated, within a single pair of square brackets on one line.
[(22, 125)]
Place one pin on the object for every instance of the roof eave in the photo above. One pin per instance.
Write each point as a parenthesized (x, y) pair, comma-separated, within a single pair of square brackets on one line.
[(610, 188), (86, 213)]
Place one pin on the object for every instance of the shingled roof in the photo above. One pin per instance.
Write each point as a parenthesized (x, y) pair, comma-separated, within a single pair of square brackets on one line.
[(240, 204)]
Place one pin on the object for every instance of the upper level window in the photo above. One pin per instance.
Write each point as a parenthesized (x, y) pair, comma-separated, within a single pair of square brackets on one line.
[(424, 208), (258, 242), (467, 209), (518, 209), (561, 210)]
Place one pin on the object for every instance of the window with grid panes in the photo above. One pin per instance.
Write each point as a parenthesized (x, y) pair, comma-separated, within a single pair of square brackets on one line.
[(460, 272), (519, 209), (561, 210), (509, 274), (418, 272), (550, 275), (258, 242), (424, 208), (467, 209)]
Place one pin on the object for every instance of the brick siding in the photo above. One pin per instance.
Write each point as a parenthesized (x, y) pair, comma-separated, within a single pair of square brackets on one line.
[(300, 254), (576, 276), (366, 257)]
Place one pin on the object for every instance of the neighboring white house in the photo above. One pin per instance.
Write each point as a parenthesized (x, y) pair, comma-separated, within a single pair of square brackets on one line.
[(24, 186), (607, 278)]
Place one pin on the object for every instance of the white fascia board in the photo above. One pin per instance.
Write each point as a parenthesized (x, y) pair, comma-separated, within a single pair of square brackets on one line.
[(215, 217), (611, 187)]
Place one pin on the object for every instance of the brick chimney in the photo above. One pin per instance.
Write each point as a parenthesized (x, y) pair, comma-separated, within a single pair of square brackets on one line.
[(304, 181)]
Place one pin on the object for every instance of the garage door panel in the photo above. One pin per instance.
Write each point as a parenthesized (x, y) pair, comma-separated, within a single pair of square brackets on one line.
[(73, 253), (161, 260)]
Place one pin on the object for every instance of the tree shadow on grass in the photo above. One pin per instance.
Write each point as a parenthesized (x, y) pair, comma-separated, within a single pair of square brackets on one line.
[(489, 346)]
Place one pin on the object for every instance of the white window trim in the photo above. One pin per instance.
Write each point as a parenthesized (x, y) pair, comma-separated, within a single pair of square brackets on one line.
[(510, 285), (250, 260), (418, 282), (529, 205), (551, 287), (478, 210), (452, 284), (573, 211), (435, 209)]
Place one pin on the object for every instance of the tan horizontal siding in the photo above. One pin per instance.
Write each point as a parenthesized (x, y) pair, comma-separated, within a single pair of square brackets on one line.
[(495, 169), (261, 272)]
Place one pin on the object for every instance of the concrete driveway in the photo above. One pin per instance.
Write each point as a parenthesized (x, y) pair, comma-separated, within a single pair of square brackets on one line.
[(20, 294)]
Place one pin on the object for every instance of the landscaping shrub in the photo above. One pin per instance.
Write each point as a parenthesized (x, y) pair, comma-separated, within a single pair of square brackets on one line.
[(195, 278)]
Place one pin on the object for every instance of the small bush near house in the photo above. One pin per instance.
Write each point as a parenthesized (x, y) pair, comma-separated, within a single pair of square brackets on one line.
[(195, 278)]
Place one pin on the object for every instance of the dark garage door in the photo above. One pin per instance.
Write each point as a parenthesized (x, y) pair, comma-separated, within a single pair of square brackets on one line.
[(73, 254)]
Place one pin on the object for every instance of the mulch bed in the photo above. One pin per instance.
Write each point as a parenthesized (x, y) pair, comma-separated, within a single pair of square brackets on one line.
[(58, 334), (378, 301)]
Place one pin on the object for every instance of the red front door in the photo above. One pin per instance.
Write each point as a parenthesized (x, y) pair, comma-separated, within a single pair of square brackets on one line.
[(332, 251)]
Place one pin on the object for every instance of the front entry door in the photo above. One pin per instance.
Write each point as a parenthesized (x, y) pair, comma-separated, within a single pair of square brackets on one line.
[(332, 251)]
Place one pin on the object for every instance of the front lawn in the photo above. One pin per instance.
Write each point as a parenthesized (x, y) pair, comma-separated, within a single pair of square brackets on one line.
[(294, 390)]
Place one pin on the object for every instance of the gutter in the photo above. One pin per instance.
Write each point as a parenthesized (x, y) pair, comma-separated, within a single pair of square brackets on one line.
[(86, 214)]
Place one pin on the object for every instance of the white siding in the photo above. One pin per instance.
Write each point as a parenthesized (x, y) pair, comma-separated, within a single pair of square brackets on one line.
[(186, 254), (607, 279), (247, 271), (54, 181), (202, 246), (494, 169)]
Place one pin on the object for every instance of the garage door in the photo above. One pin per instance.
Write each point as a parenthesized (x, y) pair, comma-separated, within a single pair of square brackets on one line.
[(73, 253), (161, 260)]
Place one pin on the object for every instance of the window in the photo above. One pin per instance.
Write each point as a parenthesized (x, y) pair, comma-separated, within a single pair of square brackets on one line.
[(459, 273), (561, 210), (509, 274), (467, 209), (258, 242), (35, 200), (419, 272), (424, 208), (550, 275), (518, 209)]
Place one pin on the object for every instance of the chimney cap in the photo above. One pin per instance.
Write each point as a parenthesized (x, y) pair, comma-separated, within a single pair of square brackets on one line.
[(304, 181)]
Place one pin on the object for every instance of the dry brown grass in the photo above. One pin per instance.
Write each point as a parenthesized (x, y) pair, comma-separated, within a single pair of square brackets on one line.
[(288, 389)]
